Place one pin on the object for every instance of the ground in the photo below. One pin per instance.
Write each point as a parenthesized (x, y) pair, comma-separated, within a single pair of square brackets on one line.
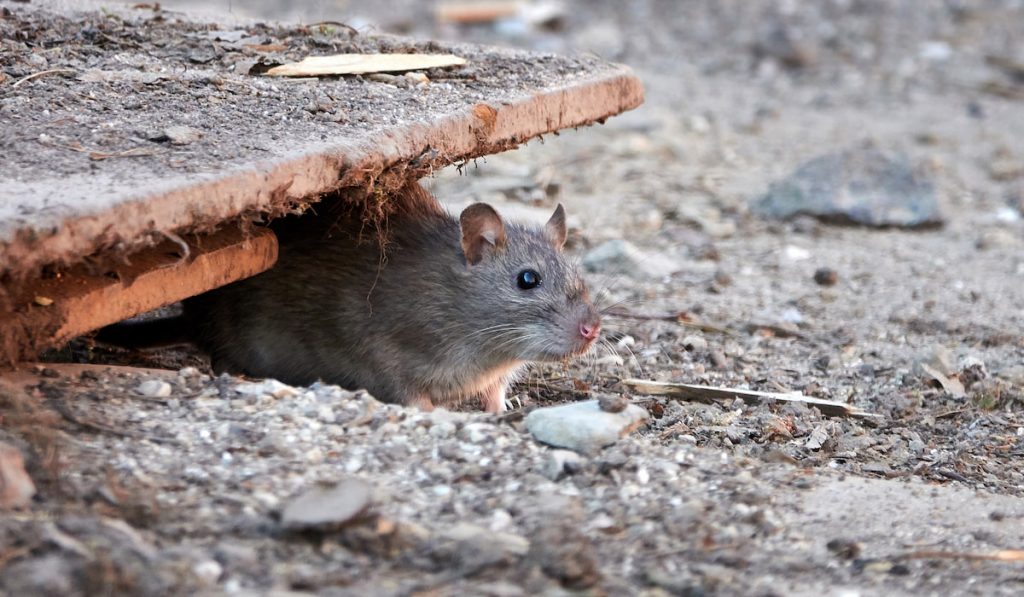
[(186, 490)]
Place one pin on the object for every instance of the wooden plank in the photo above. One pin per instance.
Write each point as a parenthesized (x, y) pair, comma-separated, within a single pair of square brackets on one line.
[(73, 184), (52, 311)]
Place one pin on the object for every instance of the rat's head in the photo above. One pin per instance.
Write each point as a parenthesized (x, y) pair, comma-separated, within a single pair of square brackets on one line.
[(536, 305)]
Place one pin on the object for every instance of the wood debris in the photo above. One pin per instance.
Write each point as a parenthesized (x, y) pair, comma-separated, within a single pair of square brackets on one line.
[(359, 64), (707, 393), (476, 12), (951, 384), (1003, 555)]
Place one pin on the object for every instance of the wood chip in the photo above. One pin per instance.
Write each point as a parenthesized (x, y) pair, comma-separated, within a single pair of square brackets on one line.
[(358, 64), (705, 393), (476, 11)]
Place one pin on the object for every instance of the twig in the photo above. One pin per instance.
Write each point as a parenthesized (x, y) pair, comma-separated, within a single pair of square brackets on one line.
[(95, 154), (708, 393), (1004, 555), (68, 414), (40, 74)]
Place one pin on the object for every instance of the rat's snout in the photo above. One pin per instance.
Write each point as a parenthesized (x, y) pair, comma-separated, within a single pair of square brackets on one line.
[(589, 324), (590, 330)]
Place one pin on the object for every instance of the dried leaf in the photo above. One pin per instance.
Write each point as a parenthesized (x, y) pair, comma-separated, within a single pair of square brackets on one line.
[(358, 64), (951, 385)]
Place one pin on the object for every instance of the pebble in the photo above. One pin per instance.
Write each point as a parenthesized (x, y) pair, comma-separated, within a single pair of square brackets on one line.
[(583, 426), (695, 344), (475, 433), (562, 463), (16, 487), (208, 572), (327, 508), (824, 276), (611, 403), (860, 186), (154, 388)]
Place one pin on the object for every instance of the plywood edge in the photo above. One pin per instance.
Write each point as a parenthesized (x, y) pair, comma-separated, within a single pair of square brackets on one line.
[(52, 311)]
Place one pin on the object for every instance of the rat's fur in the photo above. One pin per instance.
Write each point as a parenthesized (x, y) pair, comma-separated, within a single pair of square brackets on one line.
[(422, 326)]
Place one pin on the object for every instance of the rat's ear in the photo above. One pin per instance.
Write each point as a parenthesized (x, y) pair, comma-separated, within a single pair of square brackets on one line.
[(483, 232), (555, 228)]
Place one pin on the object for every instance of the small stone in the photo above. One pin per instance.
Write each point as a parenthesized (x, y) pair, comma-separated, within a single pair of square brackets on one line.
[(442, 429), (16, 487), (611, 403), (695, 344), (208, 572), (268, 387), (328, 508), (845, 548), (824, 276), (562, 463), (583, 426), (177, 135), (154, 388), (786, 45), (476, 433)]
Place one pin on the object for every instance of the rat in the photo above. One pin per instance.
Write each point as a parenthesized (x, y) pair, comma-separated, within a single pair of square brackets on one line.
[(451, 311)]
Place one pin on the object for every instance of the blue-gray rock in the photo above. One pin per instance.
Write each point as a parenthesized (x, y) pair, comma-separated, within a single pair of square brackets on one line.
[(583, 426), (860, 186)]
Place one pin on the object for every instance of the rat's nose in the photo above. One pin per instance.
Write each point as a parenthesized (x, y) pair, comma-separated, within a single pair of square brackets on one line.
[(589, 331)]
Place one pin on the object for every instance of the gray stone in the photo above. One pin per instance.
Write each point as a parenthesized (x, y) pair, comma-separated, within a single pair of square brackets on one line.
[(326, 508), (860, 186), (583, 426)]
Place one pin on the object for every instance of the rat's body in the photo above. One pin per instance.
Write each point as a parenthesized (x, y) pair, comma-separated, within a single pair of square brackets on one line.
[(442, 316)]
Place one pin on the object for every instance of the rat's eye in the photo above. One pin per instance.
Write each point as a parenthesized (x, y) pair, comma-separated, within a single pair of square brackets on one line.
[(528, 279)]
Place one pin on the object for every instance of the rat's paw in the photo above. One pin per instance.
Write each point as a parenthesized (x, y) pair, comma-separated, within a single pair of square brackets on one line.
[(513, 402)]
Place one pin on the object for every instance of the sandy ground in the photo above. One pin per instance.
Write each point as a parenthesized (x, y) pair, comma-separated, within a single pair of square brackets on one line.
[(186, 491)]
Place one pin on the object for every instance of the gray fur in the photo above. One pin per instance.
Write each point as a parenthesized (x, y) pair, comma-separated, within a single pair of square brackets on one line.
[(423, 324)]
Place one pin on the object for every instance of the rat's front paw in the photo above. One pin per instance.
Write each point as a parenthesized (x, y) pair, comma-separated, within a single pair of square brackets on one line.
[(513, 402)]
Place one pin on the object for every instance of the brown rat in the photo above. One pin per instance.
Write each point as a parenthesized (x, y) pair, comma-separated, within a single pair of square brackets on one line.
[(453, 311)]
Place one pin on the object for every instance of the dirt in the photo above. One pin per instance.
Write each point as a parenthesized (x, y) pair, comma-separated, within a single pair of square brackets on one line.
[(720, 498)]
